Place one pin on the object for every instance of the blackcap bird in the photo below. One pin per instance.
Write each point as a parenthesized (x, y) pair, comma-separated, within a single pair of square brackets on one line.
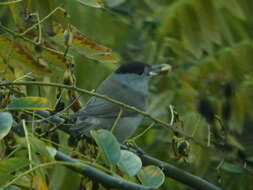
[(129, 85)]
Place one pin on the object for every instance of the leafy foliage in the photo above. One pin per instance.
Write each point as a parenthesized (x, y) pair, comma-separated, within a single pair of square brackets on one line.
[(108, 144), (209, 45), (151, 176), (5, 123), (129, 163), (29, 103)]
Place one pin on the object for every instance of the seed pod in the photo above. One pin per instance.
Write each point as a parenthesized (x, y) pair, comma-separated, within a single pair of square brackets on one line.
[(183, 148), (59, 106)]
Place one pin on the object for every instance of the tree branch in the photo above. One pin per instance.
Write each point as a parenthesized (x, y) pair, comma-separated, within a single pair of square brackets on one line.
[(91, 93), (178, 174), (99, 176)]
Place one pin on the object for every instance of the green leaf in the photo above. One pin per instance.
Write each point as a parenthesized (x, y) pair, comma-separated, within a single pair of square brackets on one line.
[(11, 165), (235, 8), (191, 31), (12, 187), (178, 48), (39, 146), (250, 158), (234, 142), (61, 178), (5, 123), (16, 10), (108, 144), (129, 163), (92, 3), (4, 178), (151, 176), (113, 3), (232, 168), (29, 103), (208, 20)]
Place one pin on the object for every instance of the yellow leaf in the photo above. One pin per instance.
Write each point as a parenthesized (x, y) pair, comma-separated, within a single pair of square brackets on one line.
[(39, 183)]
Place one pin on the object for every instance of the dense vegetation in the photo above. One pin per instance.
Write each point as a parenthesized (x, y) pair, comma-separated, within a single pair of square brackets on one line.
[(207, 97)]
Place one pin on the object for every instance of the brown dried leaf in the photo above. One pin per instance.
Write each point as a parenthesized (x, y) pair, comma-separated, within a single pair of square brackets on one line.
[(53, 58), (85, 45), (17, 56), (5, 72)]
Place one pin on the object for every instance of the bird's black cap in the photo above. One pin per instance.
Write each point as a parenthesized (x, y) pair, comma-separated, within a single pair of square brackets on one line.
[(134, 67)]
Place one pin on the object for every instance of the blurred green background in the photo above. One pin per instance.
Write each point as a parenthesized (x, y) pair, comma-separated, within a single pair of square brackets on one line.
[(209, 45)]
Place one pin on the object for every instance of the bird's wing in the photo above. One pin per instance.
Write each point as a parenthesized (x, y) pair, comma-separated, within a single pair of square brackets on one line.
[(82, 127), (97, 107)]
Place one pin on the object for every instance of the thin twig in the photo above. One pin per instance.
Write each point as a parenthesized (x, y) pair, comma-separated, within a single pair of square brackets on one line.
[(208, 136), (33, 117), (117, 119), (56, 114), (10, 2), (172, 115), (220, 164), (142, 133), (28, 144), (88, 160), (26, 75), (39, 27), (41, 21), (91, 93)]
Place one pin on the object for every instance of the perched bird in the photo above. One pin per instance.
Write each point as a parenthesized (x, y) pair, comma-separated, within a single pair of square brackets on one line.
[(129, 85)]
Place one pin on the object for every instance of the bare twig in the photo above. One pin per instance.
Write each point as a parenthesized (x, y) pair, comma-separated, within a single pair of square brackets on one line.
[(42, 20), (39, 27), (172, 115), (117, 119), (28, 144), (208, 136), (142, 133), (10, 2)]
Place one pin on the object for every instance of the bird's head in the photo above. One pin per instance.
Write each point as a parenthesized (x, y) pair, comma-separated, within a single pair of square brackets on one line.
[(136, 75), (142, 69)]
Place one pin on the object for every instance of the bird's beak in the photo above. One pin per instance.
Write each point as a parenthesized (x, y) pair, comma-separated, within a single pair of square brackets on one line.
[(159, 69)]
